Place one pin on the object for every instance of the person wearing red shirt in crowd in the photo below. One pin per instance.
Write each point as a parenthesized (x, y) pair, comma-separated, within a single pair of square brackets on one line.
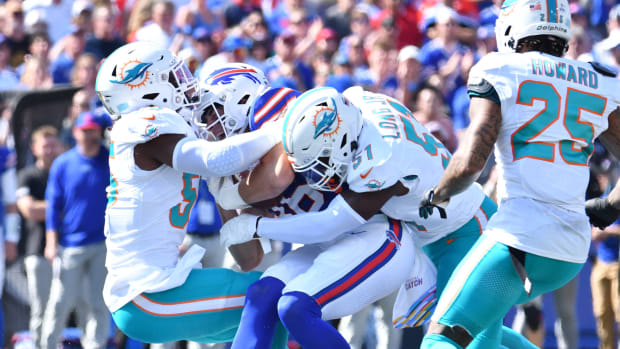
[(406, 20)]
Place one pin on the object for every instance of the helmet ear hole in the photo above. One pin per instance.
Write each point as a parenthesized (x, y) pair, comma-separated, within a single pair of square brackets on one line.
[(508, 30), (344, 142), (172, 80), (150, 96), (244, 99)]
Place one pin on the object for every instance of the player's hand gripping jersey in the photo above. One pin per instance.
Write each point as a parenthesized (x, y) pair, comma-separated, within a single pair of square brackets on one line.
[(394, 147), (147, 211)]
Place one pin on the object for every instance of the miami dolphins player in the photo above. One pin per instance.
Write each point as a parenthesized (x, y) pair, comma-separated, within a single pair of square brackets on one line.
[(370, 149), (542, 113), (156, 162)]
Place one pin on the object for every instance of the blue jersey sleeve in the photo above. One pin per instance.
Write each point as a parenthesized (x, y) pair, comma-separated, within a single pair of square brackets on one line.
[(54, 196)]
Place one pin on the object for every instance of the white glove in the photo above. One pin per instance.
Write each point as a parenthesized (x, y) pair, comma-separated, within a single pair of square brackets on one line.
[(238, 230), (226, 193)]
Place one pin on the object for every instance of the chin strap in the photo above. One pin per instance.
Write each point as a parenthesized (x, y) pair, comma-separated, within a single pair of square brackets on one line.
[(456, 333)]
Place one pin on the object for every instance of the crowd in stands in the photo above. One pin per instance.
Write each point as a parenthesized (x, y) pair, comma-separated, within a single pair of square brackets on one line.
[(418, 51)]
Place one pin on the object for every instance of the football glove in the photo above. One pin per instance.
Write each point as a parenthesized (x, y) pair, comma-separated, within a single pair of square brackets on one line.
[(601, 212), (239, 229), (426, 206)]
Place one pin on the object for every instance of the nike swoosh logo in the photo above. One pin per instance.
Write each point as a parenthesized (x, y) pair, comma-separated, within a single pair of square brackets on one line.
[(449, 241), (152, 117), (364, 175)]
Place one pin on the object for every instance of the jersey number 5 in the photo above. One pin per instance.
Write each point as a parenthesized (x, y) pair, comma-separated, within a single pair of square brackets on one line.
[(178, 217), (579, 130)]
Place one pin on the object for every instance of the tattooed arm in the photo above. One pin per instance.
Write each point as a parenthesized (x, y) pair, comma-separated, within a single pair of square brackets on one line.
[(474, 150)]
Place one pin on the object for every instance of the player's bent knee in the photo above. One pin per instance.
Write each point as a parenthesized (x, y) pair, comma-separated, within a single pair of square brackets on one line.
[(295, 306), (265, 292)]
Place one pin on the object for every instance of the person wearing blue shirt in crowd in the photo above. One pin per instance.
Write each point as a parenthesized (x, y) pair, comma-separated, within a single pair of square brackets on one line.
[(75, 243), (604, 278), (9, 229)]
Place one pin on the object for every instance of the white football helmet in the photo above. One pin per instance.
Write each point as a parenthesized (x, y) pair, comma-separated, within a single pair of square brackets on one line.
[(519, 19), (227, 96), (320, 136), (141, 74)]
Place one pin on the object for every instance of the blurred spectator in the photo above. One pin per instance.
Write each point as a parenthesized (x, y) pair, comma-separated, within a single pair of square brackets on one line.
[(160, 30), (39, 47), (430, 111), (254, 27), (444, 55), (65, 54), (338, 17), (82, 15), (105, 38), (84, 74), (15, 31), (306, 31), (81, 102), (487, 41), (233, 49), (405, 20), (278, 12), (579, 45), (57, 15), (326, 42), (8, 78), (604, 278), (139, 15), (8, 211), (76, 198), (342, 77), (238, 10), (196, 14), (607, 51), (489, 14), (36, 74), (283, 47), (408, 74), (381, 74), (32, 181), (202, 46), (356, 55)]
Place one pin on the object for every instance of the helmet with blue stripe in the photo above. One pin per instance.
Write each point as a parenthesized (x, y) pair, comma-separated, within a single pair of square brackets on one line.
[(520, 19), (320, 133), (227, 96), (140, 74)]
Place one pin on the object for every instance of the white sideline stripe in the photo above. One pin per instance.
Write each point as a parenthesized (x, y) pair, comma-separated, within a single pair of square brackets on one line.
[(450, 293), (267, 107), (197, 306)]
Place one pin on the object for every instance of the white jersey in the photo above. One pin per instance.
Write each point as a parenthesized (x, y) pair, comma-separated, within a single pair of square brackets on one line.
[(552, 110), (394, 147), (147, 212)]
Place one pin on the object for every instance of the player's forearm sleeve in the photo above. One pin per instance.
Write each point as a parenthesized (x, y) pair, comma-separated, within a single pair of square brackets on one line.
[(223, 158), (313, 227)]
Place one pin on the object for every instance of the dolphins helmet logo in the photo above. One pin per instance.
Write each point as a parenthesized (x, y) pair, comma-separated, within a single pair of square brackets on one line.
[(133, 74), (326, 121)]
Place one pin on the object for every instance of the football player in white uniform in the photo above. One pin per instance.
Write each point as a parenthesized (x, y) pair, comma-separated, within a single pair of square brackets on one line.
[(345, 272), (156, 162), (542, 113), (371, 150)]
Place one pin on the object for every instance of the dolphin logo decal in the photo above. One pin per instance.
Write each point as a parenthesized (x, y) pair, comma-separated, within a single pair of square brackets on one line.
[(326, 121), (134, 73)]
